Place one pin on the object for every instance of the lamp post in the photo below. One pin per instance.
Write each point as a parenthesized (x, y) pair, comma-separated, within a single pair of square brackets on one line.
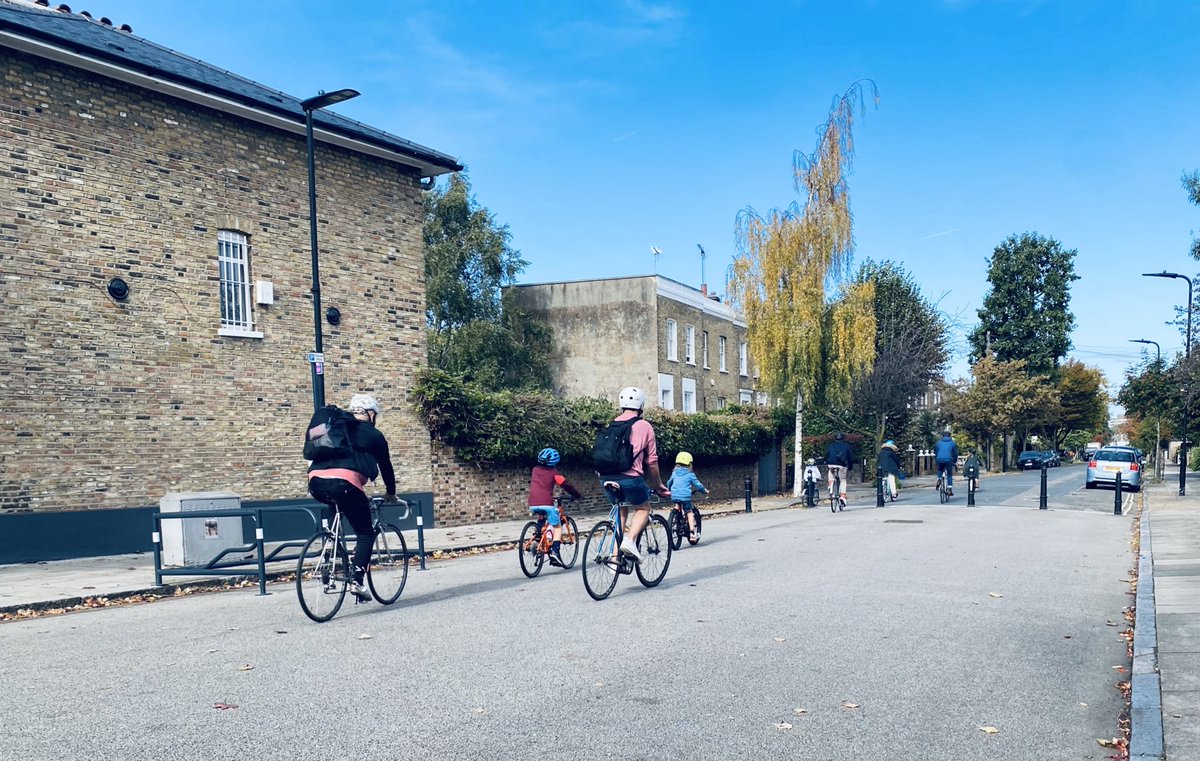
[(1158, 422), (1187, 352), (317, 358)]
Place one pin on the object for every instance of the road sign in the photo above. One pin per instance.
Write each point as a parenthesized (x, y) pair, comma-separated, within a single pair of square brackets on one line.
[(316, 357)]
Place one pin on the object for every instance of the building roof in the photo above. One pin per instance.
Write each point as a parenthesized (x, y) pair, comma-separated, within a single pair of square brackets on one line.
[(78, 40), (667, 288)]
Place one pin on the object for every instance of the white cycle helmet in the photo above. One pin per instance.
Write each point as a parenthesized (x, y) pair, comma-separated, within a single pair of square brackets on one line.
[(363, 403), (632, 398)]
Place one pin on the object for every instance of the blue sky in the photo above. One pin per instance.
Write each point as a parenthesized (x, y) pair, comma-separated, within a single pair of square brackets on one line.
[(598, 130)]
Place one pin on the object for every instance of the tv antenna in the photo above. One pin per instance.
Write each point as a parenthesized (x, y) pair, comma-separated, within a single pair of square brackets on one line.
[(702, 255), (657, 253)]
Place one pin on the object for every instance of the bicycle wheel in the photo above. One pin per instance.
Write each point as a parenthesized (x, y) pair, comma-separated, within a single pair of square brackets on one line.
[(389, 565), (568, 548), (943, 495), (678, 528), (655, 545), (530, 551), (599, 565), (695, 541), (322, 573)]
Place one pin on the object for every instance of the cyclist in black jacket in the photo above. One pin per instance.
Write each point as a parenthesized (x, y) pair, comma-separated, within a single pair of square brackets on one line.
[(341, 483), (838, 457)]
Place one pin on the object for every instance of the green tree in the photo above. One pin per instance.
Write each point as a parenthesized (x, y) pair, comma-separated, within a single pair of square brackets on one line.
[(474, 330), (910, 348), (1083, 403), (1191, 183), (1000, 396), (804, 342), (1025, 314)]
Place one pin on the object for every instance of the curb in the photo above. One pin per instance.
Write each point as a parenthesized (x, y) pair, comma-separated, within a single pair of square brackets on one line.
[(1145, 713)]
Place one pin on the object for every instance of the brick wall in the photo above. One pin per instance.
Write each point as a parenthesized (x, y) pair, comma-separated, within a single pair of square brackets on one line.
[(465, 493), (111, 404)]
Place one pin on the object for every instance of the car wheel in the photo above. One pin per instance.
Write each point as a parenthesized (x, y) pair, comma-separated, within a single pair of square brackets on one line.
[(1090, 485)]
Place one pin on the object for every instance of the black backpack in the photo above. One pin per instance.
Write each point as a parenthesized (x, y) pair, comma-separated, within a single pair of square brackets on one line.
[(329, 438), (613, 452)]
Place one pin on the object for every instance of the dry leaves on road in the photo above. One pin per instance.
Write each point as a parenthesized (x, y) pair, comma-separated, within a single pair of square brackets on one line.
[(364, 635), (995, 595), (848, 704), (800, 711), (989, 730), (783, 726), (246, 667), (780, 639), (223, 706)]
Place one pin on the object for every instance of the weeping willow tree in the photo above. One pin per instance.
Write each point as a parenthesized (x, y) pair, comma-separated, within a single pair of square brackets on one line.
[(810, 329)]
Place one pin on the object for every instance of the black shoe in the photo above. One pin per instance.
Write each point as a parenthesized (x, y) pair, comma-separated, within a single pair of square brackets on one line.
[(554, 559)]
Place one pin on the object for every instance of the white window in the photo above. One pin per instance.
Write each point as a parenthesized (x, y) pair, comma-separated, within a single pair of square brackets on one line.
[(704, 348), (233, 263), (721, 353), (689, 344), (689, 394), (745, 396), (672, 341), (720, 402), (760, 399), (742, 359), (666, 391)]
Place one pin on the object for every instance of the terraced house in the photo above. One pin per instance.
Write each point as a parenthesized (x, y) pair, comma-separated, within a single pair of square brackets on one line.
[(155, 258)]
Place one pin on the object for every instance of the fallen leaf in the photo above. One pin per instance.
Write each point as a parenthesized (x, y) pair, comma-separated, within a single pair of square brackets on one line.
[(233, 628), (780, 639), (1110, 623), (1066, 636), (989, 730), (365, 636), (598, 684), (848, 704), (1107, 743), (1176, 716), (246, 667), (1119, 668), (479, 711), (800, 711), (280, 631), (783, 725), (995, 595), (1085, 705), (220, 706), (212, 651)]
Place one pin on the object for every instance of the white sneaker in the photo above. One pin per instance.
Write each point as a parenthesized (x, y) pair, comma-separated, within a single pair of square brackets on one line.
[(631, 551), (359, 591)]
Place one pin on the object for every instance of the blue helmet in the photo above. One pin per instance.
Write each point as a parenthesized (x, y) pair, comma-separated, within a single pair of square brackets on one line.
[(548, 456)]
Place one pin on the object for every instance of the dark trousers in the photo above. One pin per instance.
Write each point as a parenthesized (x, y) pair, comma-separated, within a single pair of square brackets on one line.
[(351, 502)]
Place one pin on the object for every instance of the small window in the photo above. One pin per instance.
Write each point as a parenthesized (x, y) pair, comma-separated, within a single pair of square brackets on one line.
[(666, 391), (721, 354), (760, 399), (672, 341), (689, 394), (743, 360), (704, 348), (233, 263), (689, 344), (721, 402), (745, 396)]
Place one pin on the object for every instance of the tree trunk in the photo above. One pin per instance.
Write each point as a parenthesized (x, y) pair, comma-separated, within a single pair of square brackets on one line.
[(797, 482)]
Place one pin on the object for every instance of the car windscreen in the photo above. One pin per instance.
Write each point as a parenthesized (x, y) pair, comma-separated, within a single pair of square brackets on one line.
[(1023, 455), (1114, 456)]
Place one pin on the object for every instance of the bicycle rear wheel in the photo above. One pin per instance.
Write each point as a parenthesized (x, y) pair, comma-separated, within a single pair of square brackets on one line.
[(530, 550), (655, 546), (568, 548), (389, 565), (322, 573), (678, 527), (599, 565), (696, 512), (943, 495)]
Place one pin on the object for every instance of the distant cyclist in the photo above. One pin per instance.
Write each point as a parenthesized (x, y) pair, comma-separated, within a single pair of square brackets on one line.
[(340, 482), (838, 458), (946, 453), (889, 465), (542, 481)]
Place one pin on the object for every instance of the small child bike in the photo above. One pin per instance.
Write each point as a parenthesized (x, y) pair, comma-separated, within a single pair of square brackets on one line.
[(536, 538)]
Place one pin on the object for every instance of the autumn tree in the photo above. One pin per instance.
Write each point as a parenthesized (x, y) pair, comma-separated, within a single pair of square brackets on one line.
[(1025, 313), (1082, 402), (805, 341), (1000, 396)]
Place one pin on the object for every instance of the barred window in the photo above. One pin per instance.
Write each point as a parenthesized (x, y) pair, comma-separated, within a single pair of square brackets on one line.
[(233, 262)]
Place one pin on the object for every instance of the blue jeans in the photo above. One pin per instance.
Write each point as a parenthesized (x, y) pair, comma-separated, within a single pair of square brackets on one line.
[(550, 512), (633, 487), (948, 467)]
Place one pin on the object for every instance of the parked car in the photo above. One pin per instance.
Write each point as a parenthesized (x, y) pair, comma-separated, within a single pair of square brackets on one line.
[(1052, 458), (1108, 462), (1030, 460)]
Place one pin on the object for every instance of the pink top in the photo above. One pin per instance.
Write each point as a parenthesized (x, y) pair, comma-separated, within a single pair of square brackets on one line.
[(645, 447)]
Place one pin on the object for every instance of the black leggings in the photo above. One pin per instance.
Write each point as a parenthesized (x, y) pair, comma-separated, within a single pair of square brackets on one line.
[(351, 502)]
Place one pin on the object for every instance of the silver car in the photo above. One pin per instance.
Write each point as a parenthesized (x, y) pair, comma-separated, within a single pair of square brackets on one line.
[(1108, 462)]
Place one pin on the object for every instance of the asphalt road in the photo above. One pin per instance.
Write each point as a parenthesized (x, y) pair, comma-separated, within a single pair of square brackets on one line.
[(1064, 491), (933, 621)]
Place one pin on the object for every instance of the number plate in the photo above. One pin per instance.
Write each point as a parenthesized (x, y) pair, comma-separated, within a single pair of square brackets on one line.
[(1111, 468)]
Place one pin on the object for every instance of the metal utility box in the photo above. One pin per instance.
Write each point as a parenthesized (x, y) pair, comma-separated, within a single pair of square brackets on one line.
[(195, 541)]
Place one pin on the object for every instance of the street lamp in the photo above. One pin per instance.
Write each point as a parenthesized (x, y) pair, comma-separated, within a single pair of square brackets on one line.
[(317, 359), (1187, 352), (1157, 423)]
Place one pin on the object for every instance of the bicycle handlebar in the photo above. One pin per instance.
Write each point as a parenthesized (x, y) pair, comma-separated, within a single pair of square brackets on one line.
[(377, 502)]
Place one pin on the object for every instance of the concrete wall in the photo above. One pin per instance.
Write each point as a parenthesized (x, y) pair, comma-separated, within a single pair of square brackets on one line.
[(111, 404)]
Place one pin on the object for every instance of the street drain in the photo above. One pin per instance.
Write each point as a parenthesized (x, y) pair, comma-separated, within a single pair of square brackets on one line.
[(897, 520)]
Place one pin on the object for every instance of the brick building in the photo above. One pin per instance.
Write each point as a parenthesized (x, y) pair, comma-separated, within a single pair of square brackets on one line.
[(684, 346), (131, 167)]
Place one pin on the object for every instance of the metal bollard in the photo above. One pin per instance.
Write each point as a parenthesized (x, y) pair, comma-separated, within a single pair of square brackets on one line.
[(1117, 496), (748, 485), (1042, 495), (970, 491), (864, 470), (878, 487), (420, 535)]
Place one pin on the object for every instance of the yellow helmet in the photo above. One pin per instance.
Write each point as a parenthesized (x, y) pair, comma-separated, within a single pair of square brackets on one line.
[(683, 458)]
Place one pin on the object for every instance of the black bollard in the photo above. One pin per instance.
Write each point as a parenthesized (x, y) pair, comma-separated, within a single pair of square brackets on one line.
[(879, 487), (970, 490), (1042, 495), (749, 485), (1117, 496)]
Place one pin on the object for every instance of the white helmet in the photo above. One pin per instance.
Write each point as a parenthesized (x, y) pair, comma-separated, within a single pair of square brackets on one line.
[(632, 398), (363, 403)]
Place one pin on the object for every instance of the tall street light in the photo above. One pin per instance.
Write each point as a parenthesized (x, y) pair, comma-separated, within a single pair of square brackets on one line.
[(1157, 423), (1187, 352), (317, 358)]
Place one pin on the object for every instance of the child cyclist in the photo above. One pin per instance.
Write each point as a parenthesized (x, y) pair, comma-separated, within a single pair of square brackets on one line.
[(681, 483), (541, 496), (812, 477)]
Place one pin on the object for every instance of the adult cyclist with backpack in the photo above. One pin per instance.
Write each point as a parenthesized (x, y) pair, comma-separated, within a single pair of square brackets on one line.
[(626, 452), (347, 451)]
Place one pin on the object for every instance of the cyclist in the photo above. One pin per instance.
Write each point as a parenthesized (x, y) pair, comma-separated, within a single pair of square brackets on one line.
[(837, 458), (971, 468), (633, 480), (681, 483), (811, 477), (946, 453), (340, 483), (544, 478), (889, 465)]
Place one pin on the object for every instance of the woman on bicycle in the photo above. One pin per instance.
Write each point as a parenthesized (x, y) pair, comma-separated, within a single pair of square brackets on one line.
[(542, 481), (889, 465), (682, 483)]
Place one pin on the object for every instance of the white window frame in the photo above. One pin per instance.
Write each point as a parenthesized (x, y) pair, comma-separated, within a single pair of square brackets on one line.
[(233, 269), (743, 359), (745, 396), (672, 341), (704, 347), (689, 395), (666, 391), (721, 354), (689, 344), (760, 398), (720, 402)]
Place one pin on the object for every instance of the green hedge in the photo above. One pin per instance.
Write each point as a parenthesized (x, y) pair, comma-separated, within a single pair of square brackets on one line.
[(510, 427)]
